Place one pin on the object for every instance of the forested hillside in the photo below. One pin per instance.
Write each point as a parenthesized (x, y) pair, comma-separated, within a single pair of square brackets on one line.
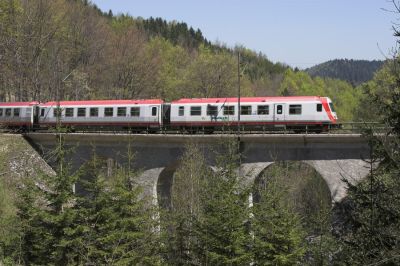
[(352, 71), (59, 49)]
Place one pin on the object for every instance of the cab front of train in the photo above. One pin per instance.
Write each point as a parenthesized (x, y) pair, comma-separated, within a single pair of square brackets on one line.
[(332, 114)]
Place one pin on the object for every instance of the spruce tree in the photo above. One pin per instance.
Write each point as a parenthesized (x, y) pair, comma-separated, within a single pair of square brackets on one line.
[(179, 220), (222, 228), (278, 236)]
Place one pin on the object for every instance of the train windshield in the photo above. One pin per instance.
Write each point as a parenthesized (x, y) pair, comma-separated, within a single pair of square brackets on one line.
[(331, 106)]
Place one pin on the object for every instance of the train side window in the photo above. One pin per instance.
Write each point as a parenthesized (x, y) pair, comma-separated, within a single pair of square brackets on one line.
[(81, 112), (154, 111), (135, 111), (42, 112), (69, 112), (181, 111), (121, 111), (109, 111), (295, 109), (212, 110), (245, 110), (195, 110), (279, 109), (229, 110), (8, 112), (94, 111), (1, 111), (319, 107), (57, 112), (16, 112), (263, 109)]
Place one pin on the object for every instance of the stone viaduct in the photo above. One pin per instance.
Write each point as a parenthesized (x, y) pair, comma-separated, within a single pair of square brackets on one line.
[(334, 157)]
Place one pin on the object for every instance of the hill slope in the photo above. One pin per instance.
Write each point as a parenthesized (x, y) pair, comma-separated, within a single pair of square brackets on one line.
[(353, 71)]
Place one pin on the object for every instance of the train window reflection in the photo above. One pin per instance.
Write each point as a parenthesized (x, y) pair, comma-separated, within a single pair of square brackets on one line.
[(108, 111), (263, 109), (135, 111), (195, 110), (94, 111), (121, 111), (81, 112), (295, 109), (69, 112)]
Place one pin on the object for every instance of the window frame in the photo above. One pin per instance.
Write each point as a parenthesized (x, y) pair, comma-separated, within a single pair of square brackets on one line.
[(212, 110), (244, 107), (68, 112), (8, 112), (121, 111), (228, 110), (135, 111), (263, 109), (181, 110), (279, 109), (57, 112), (79, 112), (94, 111), (293, 109), (194, 112), (154, 114), (108, 111)]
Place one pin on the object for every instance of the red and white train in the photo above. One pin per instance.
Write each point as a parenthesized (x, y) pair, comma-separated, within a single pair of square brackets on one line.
[(297, 113)]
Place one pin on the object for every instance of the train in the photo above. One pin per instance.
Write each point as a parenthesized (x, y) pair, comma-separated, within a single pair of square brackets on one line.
[(206, 115)]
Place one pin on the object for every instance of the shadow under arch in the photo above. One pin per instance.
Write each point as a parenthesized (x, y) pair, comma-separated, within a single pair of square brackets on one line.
[(164, 185), (305, 189)]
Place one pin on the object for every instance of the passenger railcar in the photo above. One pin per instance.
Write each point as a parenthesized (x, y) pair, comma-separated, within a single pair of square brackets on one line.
[(300, 113), (18, 115), (296, 113), (103, 114)]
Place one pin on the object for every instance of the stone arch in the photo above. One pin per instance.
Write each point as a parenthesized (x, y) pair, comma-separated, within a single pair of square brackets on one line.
[(314, 183), (335, 171), (164, 185)]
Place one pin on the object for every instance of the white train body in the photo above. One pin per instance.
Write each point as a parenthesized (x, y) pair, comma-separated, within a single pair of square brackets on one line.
[(18, 114), (103, 113), (292, 112), (208, 114)]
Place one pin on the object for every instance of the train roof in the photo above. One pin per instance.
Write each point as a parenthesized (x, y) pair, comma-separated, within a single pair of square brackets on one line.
[(104, 102), (17, 104), (249, 99)]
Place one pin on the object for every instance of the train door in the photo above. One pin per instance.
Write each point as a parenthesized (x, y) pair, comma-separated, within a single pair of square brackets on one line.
[(166, 114), (279, 112), (35, 114)]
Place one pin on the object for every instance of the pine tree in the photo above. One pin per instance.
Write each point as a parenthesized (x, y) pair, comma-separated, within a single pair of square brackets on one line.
[(222, 228), (179, 220), (115, 222), (276, 228)]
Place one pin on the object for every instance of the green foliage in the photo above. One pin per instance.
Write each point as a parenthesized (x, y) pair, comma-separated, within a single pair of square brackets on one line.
[(278, 234), (344, 96), (113, 225), (178, 221), (222, 228)]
